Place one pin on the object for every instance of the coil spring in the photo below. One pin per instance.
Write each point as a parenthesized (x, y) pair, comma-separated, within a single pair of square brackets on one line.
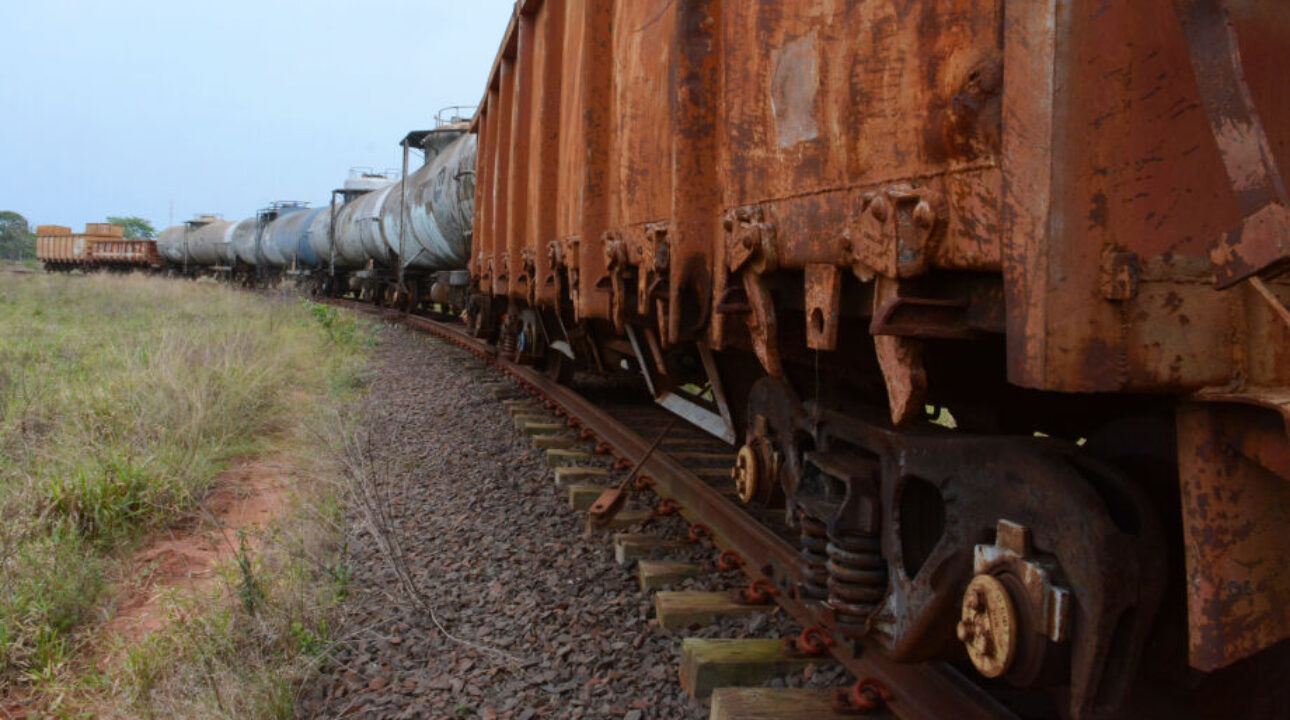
[(857, 576), (814, 543), (509, 340)]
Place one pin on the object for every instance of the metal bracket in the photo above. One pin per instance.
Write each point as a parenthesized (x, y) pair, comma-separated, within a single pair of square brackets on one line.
[(615, 265), (823, 298), (893, 232), (751, 251), (901, 361), (712, 416), (652, 277), (750, 238)]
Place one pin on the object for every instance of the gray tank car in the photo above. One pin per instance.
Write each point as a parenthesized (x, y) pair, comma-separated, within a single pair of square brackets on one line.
[(202, 242), (357, 245)]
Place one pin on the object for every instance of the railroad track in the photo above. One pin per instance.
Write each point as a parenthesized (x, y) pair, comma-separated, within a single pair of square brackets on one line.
[(595, 440)]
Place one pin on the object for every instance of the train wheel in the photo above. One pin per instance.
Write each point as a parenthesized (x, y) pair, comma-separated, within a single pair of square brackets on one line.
[(412, 299), (768, 465), (478, 320)]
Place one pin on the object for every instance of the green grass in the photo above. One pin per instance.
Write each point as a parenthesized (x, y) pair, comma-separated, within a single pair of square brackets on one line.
[(121, 399)]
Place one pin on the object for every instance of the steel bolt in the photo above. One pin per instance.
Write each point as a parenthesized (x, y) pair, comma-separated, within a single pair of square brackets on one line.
[(924, 216), (878, 208)]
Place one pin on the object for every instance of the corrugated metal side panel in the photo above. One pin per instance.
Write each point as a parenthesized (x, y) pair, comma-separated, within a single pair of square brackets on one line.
[(502, 172), (572, 164), (597, 133), (522, 77), (481, 254), (543, 150), (61, 249), (640, 183), (531, 156)]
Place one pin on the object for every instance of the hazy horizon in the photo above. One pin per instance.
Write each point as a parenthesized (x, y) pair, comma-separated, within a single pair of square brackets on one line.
[(125, 108)]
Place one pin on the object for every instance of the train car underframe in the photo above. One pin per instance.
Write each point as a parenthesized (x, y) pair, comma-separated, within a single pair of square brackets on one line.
[(442, 293), (1040, 541)]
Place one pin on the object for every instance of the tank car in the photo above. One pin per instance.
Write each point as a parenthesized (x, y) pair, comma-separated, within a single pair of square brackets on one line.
[(403, 251), (815, 228), (396, 241), (203, 243)]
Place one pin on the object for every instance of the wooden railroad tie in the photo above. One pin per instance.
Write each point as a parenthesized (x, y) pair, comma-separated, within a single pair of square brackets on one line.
[(503, 390), (581, 497), (524, 406), (682, 609), (710, 664), (554, 441), (559, 457), (622, 520), (574, 475), (630, 547), (544, 427), (778, 704), (658, 574), (525, 416)]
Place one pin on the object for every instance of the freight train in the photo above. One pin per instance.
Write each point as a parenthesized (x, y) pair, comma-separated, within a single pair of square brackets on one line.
[(989, 295), (387, 240)]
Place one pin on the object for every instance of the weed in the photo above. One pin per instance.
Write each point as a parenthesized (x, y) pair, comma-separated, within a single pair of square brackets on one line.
[(340, 329), (248, 589), (310, 643), (340, 572)]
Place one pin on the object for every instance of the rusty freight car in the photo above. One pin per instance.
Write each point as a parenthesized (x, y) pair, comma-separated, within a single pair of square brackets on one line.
[(58, 250), (103, 246), (812, 226), (110, 250)]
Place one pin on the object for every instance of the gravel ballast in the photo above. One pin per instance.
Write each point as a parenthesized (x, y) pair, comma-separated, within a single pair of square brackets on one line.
[(473, 591)]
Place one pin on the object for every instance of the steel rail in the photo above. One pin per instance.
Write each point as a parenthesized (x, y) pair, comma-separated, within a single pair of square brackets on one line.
[(927, 691)]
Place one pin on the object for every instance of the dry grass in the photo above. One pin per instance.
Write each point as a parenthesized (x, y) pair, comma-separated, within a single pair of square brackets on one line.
[(121, 398)]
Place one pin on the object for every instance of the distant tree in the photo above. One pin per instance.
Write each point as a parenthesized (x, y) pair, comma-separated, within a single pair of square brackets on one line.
[(136, 228), (17, 242)]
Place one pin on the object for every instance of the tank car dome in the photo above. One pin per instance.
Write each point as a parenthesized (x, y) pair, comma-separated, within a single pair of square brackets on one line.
[(366, 182)]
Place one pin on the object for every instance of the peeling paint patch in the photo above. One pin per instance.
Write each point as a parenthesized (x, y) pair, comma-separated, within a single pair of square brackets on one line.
[(1242, 154), (794, 85)]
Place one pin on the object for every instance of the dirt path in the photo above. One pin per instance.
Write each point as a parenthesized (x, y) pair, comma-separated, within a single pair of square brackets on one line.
[(245, 498)]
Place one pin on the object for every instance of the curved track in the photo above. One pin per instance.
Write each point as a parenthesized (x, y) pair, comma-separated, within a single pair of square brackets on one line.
[(929, 691)]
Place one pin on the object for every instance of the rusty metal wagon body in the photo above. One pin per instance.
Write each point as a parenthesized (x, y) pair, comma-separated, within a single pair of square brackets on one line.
[(1066, 218), (103, 246)]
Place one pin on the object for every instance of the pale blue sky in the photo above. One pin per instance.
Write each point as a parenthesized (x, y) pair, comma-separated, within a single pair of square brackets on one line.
[(120, 108)]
